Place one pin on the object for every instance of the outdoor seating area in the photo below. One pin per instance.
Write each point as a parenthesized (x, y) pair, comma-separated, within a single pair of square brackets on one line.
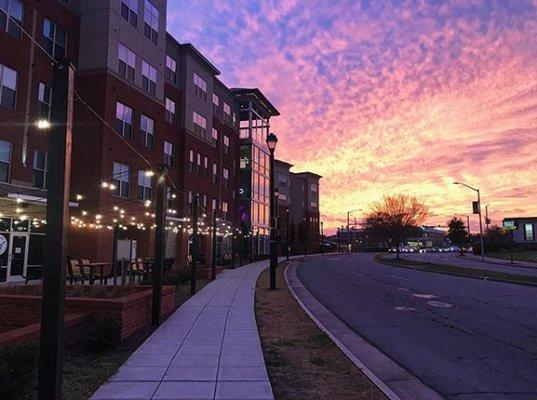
[(82, 271)]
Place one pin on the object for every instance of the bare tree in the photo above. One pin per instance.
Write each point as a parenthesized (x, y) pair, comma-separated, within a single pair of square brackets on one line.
[(395, 218)]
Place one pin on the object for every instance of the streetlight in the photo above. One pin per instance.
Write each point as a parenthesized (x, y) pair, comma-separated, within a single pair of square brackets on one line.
[(288, 243), (348, 228), (43, 124), (276, 205), (322, 237), (272, 140), (479, 212)]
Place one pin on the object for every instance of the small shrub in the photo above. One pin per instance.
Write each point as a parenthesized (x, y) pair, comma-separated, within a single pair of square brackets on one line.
[(103, 333), (17, 362)]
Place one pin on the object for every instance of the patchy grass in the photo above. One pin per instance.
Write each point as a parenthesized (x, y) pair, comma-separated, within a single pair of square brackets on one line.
[(302, 361), (525, 256), (457, 270)]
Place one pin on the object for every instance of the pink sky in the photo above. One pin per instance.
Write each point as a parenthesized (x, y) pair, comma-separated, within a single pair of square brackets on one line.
[(385, 97)]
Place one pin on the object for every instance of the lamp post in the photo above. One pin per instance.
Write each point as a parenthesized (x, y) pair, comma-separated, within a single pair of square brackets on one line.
[(287, 242), (322, 238), (272, 140), (277, 225), (349, 229), (479, 212)]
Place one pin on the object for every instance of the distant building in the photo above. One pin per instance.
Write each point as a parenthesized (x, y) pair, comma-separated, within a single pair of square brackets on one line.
[(431, 236), (298, 208), (524, 233)]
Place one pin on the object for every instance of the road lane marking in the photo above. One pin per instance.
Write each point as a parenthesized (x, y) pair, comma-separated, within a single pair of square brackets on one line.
[(441, 304), (424, 296), (405, 308), (398, 277)]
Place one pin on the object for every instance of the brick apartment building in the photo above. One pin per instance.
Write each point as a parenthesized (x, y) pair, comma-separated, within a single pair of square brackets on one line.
[(157, 102), (298, 209)]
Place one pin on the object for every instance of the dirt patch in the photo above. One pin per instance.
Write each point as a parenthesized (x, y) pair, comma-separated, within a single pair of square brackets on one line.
[(302, 362)]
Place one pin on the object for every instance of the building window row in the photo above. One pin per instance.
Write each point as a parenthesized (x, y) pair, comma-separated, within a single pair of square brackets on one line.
[(54, 39), (149, 78), (126, 62), (5, 160), (129, 11), (529, 234), (151, 16), (8, 87), (200, 87), (171, 69), (170, 111), (199, 124), (11, 12)]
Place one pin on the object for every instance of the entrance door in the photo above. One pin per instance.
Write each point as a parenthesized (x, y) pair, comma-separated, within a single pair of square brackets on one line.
[(18, 253)]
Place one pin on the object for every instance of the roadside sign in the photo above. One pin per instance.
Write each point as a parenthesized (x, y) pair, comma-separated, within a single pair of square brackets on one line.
[(475, 207), (510, 225)]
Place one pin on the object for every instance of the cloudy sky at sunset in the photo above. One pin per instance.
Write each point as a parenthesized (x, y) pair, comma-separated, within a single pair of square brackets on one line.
[(388, 96)]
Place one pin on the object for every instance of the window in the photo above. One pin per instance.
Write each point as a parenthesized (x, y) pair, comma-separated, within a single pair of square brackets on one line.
[(170, 195), (147, 126), (313, 187), (215, 173), (169, 153), (214, 136), (216, 103), (206, 166), (129, 11), (225, 210), (126, 63), (44, 100), (144, 186), (171, 69), (227, 112), (225, 175), (170, 111), (149, 78), (124, 116), (39, 174), (234, 119), (200, 124), (529, 235), (5, 160), (121, 178), (150, 21), (204, 200), (54, 39), (199, 162), (313, 204), (226, 144), (11, 12), (192, 164), (8, 87), (200, 87), (214, 204)]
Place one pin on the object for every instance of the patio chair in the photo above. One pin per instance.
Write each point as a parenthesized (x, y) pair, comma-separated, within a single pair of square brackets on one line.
[(137, 268), (75, 272)]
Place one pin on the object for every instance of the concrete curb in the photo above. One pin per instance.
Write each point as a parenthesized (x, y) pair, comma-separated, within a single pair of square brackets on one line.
[(484, 278), (392, 379)]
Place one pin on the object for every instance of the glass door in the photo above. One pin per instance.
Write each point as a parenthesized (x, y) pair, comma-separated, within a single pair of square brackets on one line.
[(17, 257)]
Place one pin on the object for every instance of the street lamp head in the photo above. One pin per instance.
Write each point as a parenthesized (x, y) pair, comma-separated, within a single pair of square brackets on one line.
[(456, 183), (277, 193), (272, 140), (42, 124)]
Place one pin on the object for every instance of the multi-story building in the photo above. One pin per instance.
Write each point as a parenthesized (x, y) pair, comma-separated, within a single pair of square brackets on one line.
[(298, 208), (143, 100), (255, 114)]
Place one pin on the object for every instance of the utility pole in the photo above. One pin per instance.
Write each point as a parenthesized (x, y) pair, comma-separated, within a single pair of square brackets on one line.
[(322, 237), (306, 236), (160, 246), (51, 344), (348, 232), (195, 242), (288, 243), (481, 226), (213, 248)]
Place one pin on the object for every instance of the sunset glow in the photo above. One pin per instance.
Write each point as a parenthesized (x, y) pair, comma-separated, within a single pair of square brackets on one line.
[(384, 97)]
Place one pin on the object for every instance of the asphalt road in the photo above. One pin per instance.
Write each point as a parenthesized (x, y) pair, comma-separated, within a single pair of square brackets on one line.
[(466, 261), (468, 339)]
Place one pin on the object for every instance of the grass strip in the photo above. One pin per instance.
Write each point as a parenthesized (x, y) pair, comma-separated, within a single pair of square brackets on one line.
[(302, 361), (457, 270)]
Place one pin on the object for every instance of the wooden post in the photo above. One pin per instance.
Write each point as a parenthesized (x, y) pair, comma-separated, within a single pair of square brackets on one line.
[(160, 246), (54, 264), (213, 248)]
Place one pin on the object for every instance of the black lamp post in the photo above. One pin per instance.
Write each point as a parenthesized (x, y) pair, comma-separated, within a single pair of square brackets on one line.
[(272, 140), (287, 242)]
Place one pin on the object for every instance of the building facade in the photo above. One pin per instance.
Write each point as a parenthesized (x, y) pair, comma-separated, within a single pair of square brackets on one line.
[(298, 209), (143, 100), (524, 232)]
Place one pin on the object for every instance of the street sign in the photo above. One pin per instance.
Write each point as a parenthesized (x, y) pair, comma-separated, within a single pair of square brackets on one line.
[(510, 225), (475, 207)]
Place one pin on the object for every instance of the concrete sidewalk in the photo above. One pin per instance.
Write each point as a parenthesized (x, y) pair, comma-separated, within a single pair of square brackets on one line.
[(208, 349)]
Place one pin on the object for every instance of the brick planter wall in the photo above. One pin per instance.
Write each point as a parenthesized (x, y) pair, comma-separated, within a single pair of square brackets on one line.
[(132, 311)]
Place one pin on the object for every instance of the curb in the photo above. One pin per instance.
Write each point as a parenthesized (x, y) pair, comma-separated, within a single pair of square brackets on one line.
[(483, 278), (402, 386)]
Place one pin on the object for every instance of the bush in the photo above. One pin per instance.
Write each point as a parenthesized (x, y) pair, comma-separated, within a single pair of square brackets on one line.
[(103, 333), (17, 362)]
